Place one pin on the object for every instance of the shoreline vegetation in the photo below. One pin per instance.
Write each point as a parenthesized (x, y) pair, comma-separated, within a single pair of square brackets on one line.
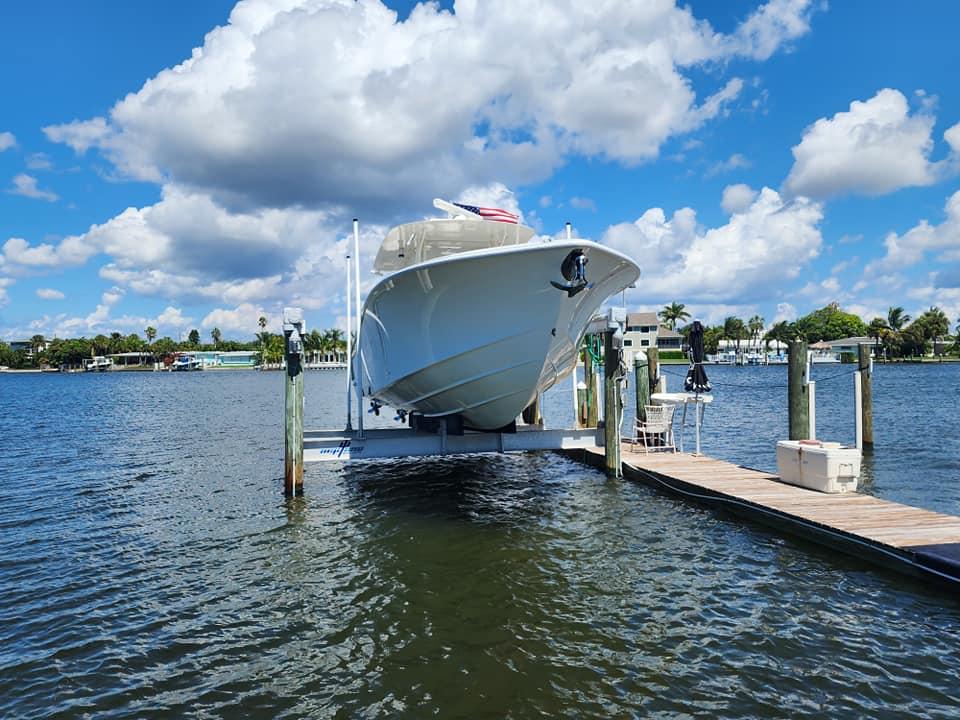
[(68, 354), (896, 338)]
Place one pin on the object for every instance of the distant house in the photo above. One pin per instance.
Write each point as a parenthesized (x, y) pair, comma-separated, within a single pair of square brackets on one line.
[(641, 332), (27, 346), (668, 339), (131, 359), (850, 344), (645, 331)]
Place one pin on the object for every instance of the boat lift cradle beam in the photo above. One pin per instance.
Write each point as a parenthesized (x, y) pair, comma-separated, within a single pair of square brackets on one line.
[(339, 445)]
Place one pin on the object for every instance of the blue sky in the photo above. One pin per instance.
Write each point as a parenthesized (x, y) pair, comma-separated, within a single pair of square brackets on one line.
[(755, 158)]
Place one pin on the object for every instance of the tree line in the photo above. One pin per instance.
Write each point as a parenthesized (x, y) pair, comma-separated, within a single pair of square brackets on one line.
[(895, 336), (71, 352)]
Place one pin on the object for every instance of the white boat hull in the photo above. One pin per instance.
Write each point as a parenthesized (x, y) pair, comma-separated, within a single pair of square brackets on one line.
[(480, 334)]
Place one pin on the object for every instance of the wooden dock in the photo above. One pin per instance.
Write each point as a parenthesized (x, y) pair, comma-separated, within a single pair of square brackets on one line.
[(919, 542)]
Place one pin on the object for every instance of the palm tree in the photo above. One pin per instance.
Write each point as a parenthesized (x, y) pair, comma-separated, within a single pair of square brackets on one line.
[(263, 336), (897, 318), (755, 326), (215, 335), (876, 328), (672, 313), (36, 343), (935, 325), (151, 333)]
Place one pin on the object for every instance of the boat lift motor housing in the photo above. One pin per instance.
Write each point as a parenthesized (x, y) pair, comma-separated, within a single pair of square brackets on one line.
[(616, 319), (293, 328)]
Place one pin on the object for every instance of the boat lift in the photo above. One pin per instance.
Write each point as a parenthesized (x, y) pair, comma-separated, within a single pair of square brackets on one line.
[(432, 437), (349, 444)]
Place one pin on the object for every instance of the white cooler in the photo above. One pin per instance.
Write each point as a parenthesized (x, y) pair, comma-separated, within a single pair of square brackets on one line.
[(824, 466)]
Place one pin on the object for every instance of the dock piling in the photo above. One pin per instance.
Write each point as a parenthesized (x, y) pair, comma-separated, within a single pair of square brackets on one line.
[(612, 404), (653, 369), (293, 331), (641, 376), (590, 378), (865, 406), (797, 391)]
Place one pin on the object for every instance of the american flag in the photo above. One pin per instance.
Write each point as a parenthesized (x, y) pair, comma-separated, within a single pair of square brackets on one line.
[(495, 214)]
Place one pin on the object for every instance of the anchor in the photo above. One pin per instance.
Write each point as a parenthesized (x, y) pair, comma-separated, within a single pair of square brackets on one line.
[(574, 271)]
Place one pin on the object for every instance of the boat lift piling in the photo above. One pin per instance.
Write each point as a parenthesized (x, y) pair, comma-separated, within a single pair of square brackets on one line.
[(613, 376), (802, 394), (293, 332), (798, 400), (863, 398)]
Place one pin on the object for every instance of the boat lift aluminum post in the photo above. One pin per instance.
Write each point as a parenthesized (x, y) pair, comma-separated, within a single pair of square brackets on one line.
[(357, 382), (349, 354)]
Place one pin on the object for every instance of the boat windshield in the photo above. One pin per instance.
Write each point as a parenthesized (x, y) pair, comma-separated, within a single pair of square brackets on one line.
[(417, 242)]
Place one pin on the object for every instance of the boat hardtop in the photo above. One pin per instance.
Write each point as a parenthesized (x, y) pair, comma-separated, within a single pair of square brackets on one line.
[(463, 231)]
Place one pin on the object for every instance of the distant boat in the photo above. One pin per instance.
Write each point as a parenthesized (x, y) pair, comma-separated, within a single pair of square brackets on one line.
[(184, 363), (727, 357), (98, 363)]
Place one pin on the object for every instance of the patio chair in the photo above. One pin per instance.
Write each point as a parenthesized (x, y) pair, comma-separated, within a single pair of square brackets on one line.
[(657, 431)]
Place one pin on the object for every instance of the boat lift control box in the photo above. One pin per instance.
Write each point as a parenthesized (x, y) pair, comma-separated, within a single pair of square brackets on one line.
[(824, 466)]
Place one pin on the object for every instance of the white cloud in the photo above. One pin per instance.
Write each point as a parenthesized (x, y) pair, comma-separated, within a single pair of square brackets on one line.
[(39, 161), (874, 148), (737, 198), (70, 251), (844, 264), (952, 136), (785, 311), (81, 135), (242, 320), (850, 239), (170, 322), (734, 162), (348, 128), (770, 25), (582, 203), (904, 251), (49, 294), (749, 258), (7, 141), (5, 282), (26, 185), (171, 319)]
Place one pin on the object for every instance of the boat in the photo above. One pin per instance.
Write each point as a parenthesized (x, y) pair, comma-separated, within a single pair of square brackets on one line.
[(724, 357), (474, 317), (98, 363), (184, 363)]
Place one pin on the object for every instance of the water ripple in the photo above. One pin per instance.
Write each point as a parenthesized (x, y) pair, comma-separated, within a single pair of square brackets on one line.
[(149, 567)]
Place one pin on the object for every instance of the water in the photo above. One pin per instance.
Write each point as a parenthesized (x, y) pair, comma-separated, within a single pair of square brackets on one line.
[(150, 567)]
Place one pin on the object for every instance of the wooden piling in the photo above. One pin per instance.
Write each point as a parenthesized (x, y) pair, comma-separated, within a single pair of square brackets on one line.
[(641, 376), (798, 400), (612, 405), (293, 329), (590, 378), (866, 395), (653, 369)]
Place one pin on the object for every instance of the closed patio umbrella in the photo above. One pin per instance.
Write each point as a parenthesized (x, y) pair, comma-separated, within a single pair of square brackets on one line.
[(696, 380)]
